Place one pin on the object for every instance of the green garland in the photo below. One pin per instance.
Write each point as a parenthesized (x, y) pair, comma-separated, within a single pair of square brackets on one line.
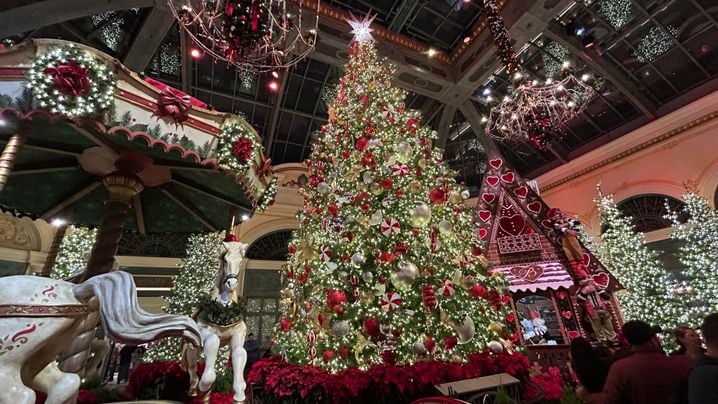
[(233, 135), (215, 312), (267, 198), (101, 83)]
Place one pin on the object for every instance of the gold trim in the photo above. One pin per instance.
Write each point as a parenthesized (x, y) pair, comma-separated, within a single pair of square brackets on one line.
[(635, 149)]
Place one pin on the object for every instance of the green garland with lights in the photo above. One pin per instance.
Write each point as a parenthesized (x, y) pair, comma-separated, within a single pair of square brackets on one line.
[(72, 82), (74, 252), (386, 266), (267, 198), (215, 312), (646, 296), (699, 253), (238, 146)]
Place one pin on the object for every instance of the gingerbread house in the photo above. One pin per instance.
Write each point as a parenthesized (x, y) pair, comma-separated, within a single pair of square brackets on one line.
[(522, 245)]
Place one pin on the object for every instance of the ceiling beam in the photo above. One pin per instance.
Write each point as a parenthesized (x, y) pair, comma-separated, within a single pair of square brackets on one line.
[(76, 196), (207, 192), (447, 117), (604, 70), (49, 12), (276, 109), (473, 116), (194, 212), (148, 40)]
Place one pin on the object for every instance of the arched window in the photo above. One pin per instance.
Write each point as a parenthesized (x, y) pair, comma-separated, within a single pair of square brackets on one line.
[(172, 245), (648, 211), (272, 246)]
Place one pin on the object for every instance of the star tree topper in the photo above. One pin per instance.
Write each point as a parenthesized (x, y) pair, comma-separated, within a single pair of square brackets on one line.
[(362, 28)]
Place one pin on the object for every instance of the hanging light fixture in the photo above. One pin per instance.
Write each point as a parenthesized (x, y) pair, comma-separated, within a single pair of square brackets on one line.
[(535, 113), (256, 36)]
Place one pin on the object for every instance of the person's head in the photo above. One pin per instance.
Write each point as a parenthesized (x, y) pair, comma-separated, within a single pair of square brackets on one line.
[(582, 350), (687, 337), (710, 332), (250, 336), (639, 333)]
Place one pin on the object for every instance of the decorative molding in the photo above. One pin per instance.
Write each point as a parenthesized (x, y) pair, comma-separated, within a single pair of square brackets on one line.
[(628, 152)]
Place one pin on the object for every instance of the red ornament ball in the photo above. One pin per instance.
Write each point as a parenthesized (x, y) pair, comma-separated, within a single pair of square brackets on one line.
[(478, 291), (371, 327), (285, 324), (362, 143), (328, 355), (437, 196), (292, 248)]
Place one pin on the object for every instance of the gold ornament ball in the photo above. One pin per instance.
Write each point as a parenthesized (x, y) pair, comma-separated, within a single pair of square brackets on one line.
[(376, 188), (423, 163), (415, 187), (468, 282), (455, 198), (445, 227)]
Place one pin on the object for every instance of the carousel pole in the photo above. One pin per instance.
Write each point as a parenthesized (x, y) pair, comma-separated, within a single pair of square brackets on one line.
[(60, 231), (122, 187), (7, 157)]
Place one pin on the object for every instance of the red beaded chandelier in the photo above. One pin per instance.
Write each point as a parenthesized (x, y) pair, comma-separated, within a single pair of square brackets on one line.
[(255, 36)]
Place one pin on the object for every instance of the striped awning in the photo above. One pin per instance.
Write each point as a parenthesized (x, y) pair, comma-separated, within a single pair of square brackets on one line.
[(534, 276)]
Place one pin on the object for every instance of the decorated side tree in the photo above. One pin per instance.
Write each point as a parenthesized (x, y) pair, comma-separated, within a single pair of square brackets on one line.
[(699, 254), (194, 280), (385, 266), (74, 252), (636, 267)]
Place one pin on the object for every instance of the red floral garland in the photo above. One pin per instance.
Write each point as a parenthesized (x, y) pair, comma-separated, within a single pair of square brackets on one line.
[(282, 379)]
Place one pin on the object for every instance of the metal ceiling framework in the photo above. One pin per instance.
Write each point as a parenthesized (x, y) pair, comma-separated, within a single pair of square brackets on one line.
[(444, 87)]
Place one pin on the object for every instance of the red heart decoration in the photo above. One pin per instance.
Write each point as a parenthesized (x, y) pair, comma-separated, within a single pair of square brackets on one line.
[(508, 178), (491, 180), (488, 198), (534, 207), (513, 225), (547, 224), (483, 233), (484, 215), (561, 294), (601, 280), (573, 334), (496, 163), (521, 191), (529, 274), (586, 260), (567, 314)]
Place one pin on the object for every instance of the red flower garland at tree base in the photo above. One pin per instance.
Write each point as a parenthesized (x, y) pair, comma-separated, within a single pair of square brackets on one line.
[(242, 149), (284, 380)]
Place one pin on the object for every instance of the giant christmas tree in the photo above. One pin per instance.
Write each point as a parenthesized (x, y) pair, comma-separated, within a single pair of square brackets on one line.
[(385, 266), (637, 268), (699, 253)]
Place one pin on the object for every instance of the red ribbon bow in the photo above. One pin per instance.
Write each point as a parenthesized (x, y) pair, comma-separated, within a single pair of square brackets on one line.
[(173, 103), (70, 78)]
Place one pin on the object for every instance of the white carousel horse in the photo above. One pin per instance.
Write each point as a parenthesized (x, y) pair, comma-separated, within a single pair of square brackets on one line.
[(214, 336), (39, 318)]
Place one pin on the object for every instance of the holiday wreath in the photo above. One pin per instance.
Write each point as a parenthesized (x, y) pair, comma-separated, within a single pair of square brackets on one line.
[(70, 81)]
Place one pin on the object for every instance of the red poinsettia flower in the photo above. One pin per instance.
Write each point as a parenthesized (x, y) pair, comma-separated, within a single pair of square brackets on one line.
[(242, 149), (70, 78)]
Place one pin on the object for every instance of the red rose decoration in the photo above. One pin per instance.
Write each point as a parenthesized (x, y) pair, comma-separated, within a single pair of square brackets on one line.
[(336, 299), (292, 249), (437, 196), (346, 154), (333, 209), (242, 149), (450, 342), (387, 183), (401, 248), (343, 352), (387, 257), (371, 326), (69, 78)]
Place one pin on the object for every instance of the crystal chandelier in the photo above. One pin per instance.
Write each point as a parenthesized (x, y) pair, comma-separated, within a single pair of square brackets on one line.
[(253, 35), (535, 113), (538, 112)]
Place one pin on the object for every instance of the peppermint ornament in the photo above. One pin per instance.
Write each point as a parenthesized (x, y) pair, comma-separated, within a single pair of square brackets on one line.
[(390, 301), (325, 253), (400, 169), (390, 226)]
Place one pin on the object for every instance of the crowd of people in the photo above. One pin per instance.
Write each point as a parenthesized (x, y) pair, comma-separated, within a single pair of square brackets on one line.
[(643, 373)]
